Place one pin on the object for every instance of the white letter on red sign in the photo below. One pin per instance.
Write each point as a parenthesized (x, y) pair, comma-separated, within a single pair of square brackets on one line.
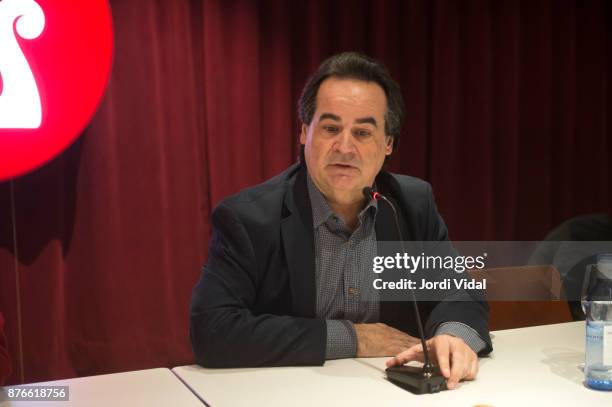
[(20, 106)]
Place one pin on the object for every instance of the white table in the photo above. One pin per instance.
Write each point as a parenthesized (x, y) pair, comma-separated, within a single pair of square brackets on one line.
[(153, 387), (538, 366)]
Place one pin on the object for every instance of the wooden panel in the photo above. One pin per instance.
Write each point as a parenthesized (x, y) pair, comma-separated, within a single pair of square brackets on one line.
[(524, 296), (519, 314)]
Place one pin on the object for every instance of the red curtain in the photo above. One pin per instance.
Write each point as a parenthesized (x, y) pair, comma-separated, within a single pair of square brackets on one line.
[(508, 109)]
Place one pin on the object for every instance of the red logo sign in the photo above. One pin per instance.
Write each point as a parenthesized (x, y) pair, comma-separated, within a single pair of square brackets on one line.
[(55, 60)]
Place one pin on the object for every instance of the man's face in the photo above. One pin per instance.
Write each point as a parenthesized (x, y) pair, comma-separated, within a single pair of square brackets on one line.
[(345, 143)]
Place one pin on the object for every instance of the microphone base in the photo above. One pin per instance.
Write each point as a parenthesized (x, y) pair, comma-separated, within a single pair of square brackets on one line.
[(413, 379)]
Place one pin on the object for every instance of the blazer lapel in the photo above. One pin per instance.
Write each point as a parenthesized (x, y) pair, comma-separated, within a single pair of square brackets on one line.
[(298, 241), (385, 224)]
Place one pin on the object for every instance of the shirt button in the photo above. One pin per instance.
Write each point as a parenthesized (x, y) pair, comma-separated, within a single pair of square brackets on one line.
[(352, 291)]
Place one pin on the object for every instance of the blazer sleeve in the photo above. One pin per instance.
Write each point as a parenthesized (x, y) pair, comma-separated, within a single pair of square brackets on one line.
[(465, 306), (224, 330)]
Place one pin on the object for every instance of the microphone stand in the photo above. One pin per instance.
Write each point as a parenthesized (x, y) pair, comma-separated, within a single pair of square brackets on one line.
[(428, 378)]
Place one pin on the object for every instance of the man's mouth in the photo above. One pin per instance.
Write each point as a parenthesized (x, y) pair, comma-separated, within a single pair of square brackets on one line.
[(344, 166)]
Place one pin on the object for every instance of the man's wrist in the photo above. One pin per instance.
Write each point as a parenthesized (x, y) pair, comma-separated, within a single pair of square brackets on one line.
[(463, 331), (341, 339)]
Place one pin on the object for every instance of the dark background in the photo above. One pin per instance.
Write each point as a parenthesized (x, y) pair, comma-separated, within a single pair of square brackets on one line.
[(508, 111)]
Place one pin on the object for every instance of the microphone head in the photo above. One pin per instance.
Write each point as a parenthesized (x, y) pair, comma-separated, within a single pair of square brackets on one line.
[(367, 192)]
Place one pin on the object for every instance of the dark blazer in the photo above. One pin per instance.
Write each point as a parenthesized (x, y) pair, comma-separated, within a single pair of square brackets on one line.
[(254, 304)]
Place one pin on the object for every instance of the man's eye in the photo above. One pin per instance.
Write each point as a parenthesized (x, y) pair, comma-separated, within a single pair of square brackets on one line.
[(362, 133), (331, 129)]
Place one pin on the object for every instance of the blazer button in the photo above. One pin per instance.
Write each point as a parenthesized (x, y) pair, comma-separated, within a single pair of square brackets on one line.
[(352, 291)]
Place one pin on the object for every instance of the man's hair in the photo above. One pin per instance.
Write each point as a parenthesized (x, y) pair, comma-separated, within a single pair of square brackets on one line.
[(353, 65)]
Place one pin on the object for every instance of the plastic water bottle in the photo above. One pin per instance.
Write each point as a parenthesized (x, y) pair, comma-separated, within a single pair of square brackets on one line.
[(597, 305)]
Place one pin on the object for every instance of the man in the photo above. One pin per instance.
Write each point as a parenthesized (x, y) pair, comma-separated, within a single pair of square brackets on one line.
[(283, 284)]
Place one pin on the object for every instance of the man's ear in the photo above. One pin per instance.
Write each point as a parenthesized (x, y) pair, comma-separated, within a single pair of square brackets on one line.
[(389, 146), (303, 134)]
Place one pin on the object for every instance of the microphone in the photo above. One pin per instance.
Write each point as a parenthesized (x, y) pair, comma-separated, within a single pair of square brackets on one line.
[(427, 379)]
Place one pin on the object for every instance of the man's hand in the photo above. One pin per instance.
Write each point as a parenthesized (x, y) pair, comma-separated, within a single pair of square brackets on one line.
[(377, 340), (456, 359)]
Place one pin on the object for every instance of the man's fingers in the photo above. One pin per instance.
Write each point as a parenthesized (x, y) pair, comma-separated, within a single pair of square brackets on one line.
[(458, 367), (409, 354), (455, 359), (392, 362), (396, 349), (442, 356), (473, 370), (413, 353)]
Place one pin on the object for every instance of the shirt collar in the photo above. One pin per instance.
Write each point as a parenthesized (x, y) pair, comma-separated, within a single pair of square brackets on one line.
[(321, 211)]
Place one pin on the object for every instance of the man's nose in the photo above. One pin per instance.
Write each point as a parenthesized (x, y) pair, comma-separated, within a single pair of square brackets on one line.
[(345, 143)]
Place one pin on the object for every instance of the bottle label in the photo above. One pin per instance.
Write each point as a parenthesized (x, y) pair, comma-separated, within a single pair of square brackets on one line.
[(607, 345)]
